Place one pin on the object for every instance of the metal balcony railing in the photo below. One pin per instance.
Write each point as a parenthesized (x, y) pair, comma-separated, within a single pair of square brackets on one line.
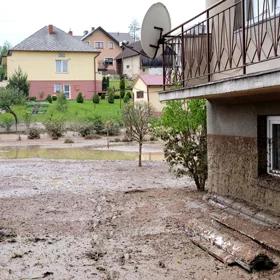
[(228, 39)]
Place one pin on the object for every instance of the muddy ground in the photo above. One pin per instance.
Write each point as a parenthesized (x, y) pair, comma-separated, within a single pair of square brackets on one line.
[(102, 220)]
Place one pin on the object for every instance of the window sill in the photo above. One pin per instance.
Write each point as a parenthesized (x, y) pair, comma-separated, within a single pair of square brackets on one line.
[(269, 182)]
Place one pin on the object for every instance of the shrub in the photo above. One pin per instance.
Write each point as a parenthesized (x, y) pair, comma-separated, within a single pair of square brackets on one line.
[(6, 121), (112, 128), (129, 94), (95, 99), (122, 87), (117, 96), (49, 98), (61, 104), (18, 81), (27, 116), (103, 95), (91, 126), (32, 98), (80, 98), (33, 133), (126, 98), (55, 127), (111, 98), (68, 141), (54, 97), (92, 137)]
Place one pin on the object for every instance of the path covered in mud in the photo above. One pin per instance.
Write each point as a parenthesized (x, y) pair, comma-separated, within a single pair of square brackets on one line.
[(102, 220)]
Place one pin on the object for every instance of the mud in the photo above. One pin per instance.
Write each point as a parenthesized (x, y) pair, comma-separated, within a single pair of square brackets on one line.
[(64, 219)]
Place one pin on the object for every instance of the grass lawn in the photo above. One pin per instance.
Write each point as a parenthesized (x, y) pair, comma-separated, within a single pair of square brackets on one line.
[(116, 84), (76, 112)]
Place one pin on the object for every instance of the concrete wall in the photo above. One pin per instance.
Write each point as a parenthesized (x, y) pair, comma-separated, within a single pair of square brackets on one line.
[(131, 66), (99, 36), (233, 153)]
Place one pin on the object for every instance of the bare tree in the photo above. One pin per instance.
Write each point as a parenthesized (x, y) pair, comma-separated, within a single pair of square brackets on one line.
[(136, 119), (134, 28)]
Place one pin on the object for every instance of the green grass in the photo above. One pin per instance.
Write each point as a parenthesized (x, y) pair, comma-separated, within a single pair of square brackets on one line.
[(76, 112), (116, 84)]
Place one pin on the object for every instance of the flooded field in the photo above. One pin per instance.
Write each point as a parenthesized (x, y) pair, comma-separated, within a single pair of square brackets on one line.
[(76, 153)]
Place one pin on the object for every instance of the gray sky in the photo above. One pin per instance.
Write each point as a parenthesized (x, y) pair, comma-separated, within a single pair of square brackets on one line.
[(21, 18)]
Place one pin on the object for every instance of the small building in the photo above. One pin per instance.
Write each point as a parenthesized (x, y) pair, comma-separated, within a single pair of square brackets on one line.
[(134, 62), (108, 43), (55, 61), (231, 59), (146, 89)]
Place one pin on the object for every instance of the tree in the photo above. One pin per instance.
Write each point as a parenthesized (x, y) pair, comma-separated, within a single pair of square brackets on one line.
[(18, 81), (184, 132), (61, 104), (134, 29), (5, 49), (136, 119), (80, 98), (8, 98), (122, 89)]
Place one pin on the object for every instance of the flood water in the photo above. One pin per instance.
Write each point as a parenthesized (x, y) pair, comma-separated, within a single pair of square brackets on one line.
[(79, 153)]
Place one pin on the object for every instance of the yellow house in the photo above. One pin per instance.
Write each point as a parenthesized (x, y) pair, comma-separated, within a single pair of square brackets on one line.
[(146, 89), (55, 61)]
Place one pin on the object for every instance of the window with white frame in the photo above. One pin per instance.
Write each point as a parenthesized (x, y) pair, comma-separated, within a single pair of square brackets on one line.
[(108, 61), (66, 91), (110, 45), (261, 9), (57, 88), (99, 45), (61, 66), (273, 145)]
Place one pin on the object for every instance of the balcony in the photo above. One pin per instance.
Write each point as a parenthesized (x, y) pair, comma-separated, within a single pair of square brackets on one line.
[(231, 40)]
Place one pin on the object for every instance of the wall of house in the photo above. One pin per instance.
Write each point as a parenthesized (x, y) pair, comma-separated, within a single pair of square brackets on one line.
[(41, 70), (99, 36), (233, 153), (131, 66), (151, 95)]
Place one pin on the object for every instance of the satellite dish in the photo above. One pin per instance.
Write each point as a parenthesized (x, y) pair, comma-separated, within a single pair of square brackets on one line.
[(156, 23)]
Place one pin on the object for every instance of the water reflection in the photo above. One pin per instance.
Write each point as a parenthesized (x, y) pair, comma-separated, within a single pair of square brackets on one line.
[(84, 153)]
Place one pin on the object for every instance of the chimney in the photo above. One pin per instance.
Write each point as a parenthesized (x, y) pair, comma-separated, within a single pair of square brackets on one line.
[(85, 32), (50, 29), (70, 32), (92, 28)]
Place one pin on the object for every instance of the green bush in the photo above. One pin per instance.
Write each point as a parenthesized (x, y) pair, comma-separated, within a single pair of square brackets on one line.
[(6, 121), (112, 128), (80, 98), (129, 94), (111, 98), (33, 133), (117, 96), (126, 98), (18, 81), (103, 95), (32, 98), (55, 127), (61, 104), (95, 99), (91, 126), (54, 97), (49, 98), (68, 141), (27, 116)]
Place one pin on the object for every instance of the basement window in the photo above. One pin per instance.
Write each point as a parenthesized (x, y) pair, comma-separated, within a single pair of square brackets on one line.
[(273, 145)]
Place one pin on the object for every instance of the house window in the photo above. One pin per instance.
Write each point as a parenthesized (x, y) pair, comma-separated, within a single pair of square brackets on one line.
[(99, 45), (261, 9), (110, 45), (108, 61), (57, 88), (66, 91), (61, 66), (140, 94), (273, 145)]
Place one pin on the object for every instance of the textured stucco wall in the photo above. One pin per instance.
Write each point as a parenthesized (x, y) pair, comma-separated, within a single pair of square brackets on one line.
[(41, 66), (233, 153)]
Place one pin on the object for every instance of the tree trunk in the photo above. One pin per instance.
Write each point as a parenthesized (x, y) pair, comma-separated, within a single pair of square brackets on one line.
[(140, 154), (16, 121)]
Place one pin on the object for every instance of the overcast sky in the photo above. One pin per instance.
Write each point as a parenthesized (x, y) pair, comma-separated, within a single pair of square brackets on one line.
[(21, 18)]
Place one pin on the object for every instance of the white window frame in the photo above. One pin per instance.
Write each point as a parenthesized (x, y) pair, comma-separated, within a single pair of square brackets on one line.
[(60, 68), (69, 92), (55, 88), (270, 122), (109, 58), (99, 42)]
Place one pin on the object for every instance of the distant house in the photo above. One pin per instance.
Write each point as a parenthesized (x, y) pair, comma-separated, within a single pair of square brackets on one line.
[(135, 62), (55, 61), (146, 89), (108, 43)]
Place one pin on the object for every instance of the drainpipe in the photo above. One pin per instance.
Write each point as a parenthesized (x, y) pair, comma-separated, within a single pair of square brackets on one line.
[(95, 85)]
